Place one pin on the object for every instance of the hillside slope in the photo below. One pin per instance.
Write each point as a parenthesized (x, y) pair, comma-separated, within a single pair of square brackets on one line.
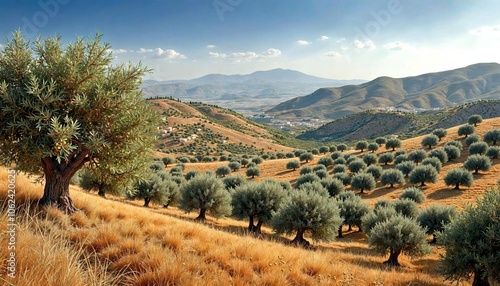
[(423, 92), (374, 123)]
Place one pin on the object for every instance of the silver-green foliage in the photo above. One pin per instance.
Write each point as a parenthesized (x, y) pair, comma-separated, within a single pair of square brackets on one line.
[(459, 177), (352, 209), (414, 194), (392, 177), (423, 174), (477, 162), (206, 193), (435, 217), (362, 182)]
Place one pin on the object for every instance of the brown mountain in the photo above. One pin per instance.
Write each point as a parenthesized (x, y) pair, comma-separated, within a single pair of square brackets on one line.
[(423, 92)]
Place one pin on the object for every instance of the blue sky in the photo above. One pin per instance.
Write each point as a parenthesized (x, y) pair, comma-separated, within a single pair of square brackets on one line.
[(348, 39)]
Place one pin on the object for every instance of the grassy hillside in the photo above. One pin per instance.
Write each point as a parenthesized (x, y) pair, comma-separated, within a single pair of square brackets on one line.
[(216, 131), (427, 91), (116, 242), (374, 123)]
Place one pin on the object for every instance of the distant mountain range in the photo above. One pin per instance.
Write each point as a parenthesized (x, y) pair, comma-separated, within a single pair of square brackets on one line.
[(417, 93), (247, 94)]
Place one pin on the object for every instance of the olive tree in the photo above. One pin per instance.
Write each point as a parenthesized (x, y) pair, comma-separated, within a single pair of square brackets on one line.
[(325, 161), (386, 158), (477, 162), (471, 243), (363, 181), (473, 138), (257, 201), (466, 130), (361, 145), (234, 166), (452, 152), (417, 156), (414, 194), (391, 177), (233, 181), (406, 207), (380, 140), (475, 119), (440, 133), (66, 106), (458, 177), (430, 141), (333, 186), (478, 148), (342, 147), (357, 166), (398, 234), (493, 152), (393, 143), (439, 153), (206, 193), (375, 171), (306, 157), (370, 159), (423, 174), (434, 162), (352, 209), (252, 172), (435, 217), (157, 188), (339, 168), (373, 147), (222, 171), (492, 136), (293, 164), (307, 212), (324, 149)]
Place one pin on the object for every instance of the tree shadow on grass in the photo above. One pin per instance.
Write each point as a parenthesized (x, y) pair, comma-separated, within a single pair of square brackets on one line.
[(445, 193), (381, 192)]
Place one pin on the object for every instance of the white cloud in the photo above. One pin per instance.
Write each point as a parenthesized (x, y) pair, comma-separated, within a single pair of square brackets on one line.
[(272, 53), (485, 30), (243, 55), (303, 43), (333, 54), (168, 54), (143, 50), (217, 55), (368, 45), (341, 40), (210, 46), (116, 52), (324, 38), (397, 46)]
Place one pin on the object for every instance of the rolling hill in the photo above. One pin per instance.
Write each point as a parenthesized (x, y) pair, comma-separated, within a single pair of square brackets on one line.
[(374, 123), (247, 94), (416, 93)]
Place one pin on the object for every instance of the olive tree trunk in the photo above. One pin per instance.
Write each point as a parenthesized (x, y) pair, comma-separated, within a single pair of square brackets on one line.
[(299, 238), (393, 257)]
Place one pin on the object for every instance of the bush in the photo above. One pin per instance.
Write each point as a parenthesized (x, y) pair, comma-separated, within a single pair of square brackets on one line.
[(168, 160), (471, 242), (477, 162), (423, 174), (339, 168), (459, 177), (234, 181), (244, 162), (417, 156), (386, 158), (473, 138), (434, 162), (289, 155), (234, 166), (493, 152), (475, 119), (430, 141), (369, 159), (466, 130), (333, 186), (453, 152), (373, 147), (257, 201), (398, 235), (206, 193), (440, 133), (257, 160), (306, 157), (393, 143), (251, 164), (478, 148), (222, 171), (439, 153), (435, 217), (307, 178), (380, 140), (356, 166), (252, 172), (307, 212), (406, 207), (414, 194), (492, 136), (280, 155), (293, 164), (391, 177), (314, 151), (363, 181), (352, 209), (343, 177), (325, 161), (375, 171), (305, 170)]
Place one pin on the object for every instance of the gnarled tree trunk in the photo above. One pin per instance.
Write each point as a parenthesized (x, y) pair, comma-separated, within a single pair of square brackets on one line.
[(393, 257), (299, 238), (202, 216), (480, 279)]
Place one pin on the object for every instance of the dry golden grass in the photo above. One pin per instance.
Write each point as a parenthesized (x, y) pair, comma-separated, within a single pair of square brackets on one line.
[(117, 242)]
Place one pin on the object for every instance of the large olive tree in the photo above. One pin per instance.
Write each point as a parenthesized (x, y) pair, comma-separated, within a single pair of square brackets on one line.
[(63, 106)]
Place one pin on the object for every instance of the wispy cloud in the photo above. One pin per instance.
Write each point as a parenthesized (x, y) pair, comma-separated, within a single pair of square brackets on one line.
[(397, 46), (217, 55), (303, 43), (143, 50), (485, 30), (168, 54), (272, 53), (114, 51), (324, 38), (333, 54), (210, 46), (245, 57), (368, 45)]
